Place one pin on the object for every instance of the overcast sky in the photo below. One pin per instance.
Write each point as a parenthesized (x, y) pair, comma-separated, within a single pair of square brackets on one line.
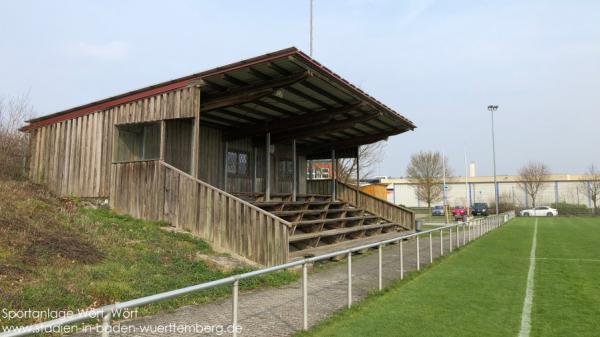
[(439, 63)]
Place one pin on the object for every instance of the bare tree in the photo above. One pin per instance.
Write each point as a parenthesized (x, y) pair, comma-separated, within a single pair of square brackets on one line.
[(532, 178), (369, 156), (591, 187), (14, 110), (426, 170)]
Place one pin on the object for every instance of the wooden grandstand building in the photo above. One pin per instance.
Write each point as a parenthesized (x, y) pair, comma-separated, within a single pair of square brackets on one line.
[(223, 154)]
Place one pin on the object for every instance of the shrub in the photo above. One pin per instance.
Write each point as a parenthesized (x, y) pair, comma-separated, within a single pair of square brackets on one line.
[(13, 143)]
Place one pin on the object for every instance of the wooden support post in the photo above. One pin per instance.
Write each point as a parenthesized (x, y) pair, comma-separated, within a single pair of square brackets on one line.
[(255, 165), (163, 137), (357, 176), (225, 173), (333, 174), (268, 167), (195, 164), (295, 168)]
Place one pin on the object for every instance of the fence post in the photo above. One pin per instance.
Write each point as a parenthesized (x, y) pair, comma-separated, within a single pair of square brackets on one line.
[(418, 255), (469, 228), (430, 247), (106, 324), (236, 287), (450, 237), (304, 297), (349, 279), (441, 242), (380, 252), (464, 234), (401, 260), (457, 236)]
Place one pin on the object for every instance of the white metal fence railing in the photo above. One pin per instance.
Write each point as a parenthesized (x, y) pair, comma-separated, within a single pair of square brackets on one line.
[(458, 234)]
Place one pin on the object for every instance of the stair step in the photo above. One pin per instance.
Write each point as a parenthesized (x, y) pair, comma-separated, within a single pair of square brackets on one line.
[(314, 251), (316, 211), (319, 221), (262, 204), (250, 195), (345, 230)]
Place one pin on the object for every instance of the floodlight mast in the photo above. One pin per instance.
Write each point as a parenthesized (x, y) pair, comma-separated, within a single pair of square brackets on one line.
[(493, 108)]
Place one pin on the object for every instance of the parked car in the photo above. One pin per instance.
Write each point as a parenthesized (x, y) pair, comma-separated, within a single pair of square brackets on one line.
[(459, 213), (438, 210), (480, 208), (540, 211)]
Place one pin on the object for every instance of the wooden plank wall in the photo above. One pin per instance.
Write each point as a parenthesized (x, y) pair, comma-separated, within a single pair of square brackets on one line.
[(178, 143), (211, 156), (73, 157), (380, 207), (136, 187), (155, 190)]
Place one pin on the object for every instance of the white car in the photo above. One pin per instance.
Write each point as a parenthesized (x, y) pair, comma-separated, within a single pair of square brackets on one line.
[(540, 211)]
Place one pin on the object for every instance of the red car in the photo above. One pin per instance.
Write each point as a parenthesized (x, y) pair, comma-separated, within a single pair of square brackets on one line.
[(459, 213)]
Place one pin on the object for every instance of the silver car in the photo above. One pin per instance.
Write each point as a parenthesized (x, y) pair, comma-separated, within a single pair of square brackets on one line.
[(438, 210)]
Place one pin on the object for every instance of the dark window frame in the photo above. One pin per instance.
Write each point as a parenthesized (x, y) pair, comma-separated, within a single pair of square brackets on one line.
[(236, 171)]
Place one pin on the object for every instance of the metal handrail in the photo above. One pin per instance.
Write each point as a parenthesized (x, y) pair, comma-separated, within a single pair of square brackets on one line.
[(484, 224)]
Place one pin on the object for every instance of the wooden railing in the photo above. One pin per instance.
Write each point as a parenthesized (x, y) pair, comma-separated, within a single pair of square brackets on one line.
[(158, 191), (383, 208)]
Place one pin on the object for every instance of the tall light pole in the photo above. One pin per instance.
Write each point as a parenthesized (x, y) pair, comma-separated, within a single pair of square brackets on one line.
[(310, 50), (493, 108)]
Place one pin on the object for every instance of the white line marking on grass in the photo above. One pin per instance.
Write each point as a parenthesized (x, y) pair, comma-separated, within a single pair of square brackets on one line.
[(564, 259), (527, 304)]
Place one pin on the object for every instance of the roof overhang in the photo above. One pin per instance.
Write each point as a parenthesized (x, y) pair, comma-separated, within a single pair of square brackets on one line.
[(286, 93)]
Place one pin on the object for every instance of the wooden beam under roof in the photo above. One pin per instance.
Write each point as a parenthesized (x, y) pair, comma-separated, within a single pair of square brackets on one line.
[(230, 112), (328, 128), (249, 93), (343, 144), (290, 123), (284, 71)]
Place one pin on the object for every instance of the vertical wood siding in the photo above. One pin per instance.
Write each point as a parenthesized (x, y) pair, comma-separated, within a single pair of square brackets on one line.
[(155, 190), (73, 157)]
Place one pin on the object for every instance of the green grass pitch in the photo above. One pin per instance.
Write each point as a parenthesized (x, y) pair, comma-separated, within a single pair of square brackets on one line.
[(479, 290)]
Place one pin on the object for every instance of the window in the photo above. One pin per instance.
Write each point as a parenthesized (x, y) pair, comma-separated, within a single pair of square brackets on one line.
[(237, 163), (325, 172), (140, 141), (285, 168)]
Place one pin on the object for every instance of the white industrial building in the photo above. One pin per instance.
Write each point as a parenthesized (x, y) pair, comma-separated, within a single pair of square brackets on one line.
[(559, 188)]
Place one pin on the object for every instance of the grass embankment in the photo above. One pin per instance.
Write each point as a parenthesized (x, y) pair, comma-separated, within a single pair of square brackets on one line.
[(477, 291), (59, 256)]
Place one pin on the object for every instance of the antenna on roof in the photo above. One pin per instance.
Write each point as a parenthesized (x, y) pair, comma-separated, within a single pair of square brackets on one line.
[(310, 51)]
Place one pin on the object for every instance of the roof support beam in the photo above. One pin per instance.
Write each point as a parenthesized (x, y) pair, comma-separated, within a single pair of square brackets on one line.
[(290, 123), (337, 125), (344, 144), (249, 93)]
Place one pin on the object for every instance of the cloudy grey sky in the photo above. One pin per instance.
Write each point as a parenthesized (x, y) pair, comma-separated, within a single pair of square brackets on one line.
[(440, 63)]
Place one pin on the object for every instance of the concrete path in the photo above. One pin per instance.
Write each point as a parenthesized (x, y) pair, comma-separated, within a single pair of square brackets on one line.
[(278, 312)]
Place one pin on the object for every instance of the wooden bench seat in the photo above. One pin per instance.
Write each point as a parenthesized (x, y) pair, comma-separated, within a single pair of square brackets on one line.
[(345, 230), (317, 211), (320, 221), (263, 204)]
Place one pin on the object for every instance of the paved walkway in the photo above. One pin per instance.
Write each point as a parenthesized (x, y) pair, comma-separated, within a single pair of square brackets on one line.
[(278, 312)]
